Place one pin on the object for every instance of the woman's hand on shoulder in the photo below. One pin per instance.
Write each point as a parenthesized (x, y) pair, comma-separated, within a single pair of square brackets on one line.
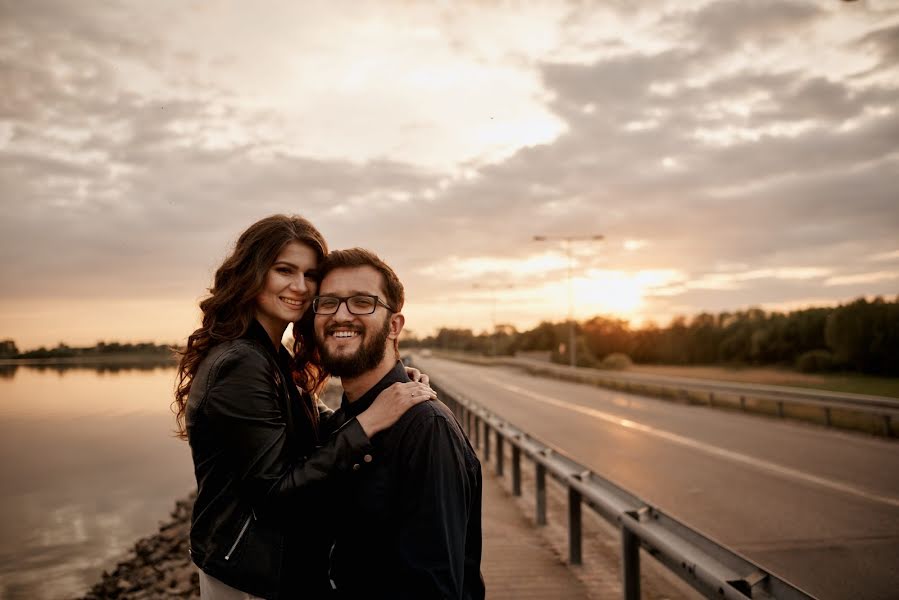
[(392, 403), (416, 375)]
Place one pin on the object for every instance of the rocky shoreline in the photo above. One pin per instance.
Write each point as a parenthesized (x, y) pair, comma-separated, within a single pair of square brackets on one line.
[(158, 566)]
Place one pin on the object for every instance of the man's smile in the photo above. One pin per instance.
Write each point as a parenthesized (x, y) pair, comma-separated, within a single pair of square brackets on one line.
[(344, 333)]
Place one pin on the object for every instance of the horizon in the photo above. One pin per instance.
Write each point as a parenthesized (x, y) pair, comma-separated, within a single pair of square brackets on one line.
[(411, 332), (732, 155)]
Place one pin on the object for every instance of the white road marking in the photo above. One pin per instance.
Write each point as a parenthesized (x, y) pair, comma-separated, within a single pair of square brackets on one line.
[(762, 465)]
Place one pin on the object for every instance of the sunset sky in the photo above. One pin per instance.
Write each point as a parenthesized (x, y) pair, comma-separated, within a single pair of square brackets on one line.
[(733, 154)]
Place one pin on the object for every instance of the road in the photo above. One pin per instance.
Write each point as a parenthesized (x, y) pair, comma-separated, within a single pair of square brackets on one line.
[(819, 508)]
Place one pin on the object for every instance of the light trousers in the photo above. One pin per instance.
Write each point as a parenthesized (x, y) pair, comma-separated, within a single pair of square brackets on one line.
[(213, 589)]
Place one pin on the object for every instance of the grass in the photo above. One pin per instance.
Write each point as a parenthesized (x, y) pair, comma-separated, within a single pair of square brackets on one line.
[(836, 382)]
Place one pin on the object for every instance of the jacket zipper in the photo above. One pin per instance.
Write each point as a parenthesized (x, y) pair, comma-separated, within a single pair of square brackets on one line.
[(243, 530)]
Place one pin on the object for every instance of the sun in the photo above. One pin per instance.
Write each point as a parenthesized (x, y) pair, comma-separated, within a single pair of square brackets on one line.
[(620, 293)]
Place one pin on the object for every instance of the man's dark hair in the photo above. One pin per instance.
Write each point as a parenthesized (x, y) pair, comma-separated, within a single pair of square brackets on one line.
[(360, 257)]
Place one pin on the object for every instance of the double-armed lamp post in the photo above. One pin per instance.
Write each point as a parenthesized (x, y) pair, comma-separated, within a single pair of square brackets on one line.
[(568, 241)]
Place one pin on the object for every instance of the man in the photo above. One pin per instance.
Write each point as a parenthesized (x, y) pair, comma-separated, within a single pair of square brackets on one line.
[(409, 519)]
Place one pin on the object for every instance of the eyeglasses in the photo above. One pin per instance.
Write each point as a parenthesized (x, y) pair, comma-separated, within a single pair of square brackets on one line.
[(357, 305)]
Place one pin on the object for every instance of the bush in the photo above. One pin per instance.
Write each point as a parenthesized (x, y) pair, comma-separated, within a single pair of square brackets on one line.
[(816, 361), (617, 361), (584, 357)]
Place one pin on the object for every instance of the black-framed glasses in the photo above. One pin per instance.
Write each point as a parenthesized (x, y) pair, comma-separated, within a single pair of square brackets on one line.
[(361, 304)]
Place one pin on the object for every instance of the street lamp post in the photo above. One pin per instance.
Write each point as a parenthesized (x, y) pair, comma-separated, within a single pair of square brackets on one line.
[(493, 289), (568, 241)]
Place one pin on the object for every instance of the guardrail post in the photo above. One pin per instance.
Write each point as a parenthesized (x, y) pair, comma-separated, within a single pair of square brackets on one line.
[(711, 398), (540, 493), (630, 563), (827, 416), (516, 470), (780, 408), (574, 527), (887, 426), (742, 402), (466, 419), (477, 432), (500, 453), (486, 442)]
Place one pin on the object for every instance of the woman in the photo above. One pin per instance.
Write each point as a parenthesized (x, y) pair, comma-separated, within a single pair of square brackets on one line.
[(263, 474)]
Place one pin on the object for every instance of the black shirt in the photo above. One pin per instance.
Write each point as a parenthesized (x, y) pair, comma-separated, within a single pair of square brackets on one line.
[(409, 522)]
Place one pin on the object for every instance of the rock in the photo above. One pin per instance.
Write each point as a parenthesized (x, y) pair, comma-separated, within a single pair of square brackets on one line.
[(158, 566)]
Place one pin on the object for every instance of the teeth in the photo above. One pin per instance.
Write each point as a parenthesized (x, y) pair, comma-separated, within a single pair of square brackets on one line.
[(344, 334), (291, 301)]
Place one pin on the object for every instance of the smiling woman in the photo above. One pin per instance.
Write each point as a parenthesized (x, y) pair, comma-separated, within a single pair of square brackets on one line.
[(287, 290)]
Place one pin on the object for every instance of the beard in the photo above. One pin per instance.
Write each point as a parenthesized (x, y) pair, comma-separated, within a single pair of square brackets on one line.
[(368, 356)]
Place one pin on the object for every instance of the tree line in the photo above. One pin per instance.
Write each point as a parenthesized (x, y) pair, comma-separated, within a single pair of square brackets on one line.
[(8, 349), (861, 336)]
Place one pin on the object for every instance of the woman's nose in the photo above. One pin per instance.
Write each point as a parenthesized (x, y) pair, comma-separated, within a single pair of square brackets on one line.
[(299, 283)]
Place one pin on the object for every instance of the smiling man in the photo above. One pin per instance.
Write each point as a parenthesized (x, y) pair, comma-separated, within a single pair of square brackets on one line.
[(409, 524)]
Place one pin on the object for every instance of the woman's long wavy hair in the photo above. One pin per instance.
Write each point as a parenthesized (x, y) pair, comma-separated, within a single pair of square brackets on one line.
[(230, 308)]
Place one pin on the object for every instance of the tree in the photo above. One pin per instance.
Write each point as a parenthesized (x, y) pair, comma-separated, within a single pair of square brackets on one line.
[(865, 336), (603, 336), (8, 349)]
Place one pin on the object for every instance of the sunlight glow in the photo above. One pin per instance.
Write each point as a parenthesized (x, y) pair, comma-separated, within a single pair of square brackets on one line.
[(884, 256), (862, 278), (621, 293), (632, 245), (456, 268), (734, 281)]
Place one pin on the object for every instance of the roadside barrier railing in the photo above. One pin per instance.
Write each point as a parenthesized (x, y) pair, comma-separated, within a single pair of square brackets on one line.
[(875, 414), (712, 569)]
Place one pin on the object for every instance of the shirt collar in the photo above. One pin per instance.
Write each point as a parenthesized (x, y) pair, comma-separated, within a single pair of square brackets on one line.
[(396, 375)]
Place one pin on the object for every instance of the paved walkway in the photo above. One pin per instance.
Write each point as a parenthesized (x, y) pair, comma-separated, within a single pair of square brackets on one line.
[(517, 562)]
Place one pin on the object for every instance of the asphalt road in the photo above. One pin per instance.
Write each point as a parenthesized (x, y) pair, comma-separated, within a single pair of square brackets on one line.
[(819, 508)]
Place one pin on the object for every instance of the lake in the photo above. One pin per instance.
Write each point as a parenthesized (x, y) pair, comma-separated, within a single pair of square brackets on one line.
[(88, 464)]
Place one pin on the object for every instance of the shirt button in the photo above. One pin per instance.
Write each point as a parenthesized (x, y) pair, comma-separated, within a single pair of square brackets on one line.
[(367, 458), (357, 466)]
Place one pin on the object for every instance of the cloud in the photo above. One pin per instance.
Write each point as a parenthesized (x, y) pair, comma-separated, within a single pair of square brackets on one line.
[(746, 150), (883, 42), (863, 278), (729, 25), (885, 256)]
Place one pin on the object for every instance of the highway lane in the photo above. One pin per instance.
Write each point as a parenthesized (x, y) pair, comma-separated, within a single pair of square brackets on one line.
[(818, 507)]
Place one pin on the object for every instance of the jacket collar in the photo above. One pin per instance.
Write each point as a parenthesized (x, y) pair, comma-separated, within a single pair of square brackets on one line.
[(396, 375), (258, 333)]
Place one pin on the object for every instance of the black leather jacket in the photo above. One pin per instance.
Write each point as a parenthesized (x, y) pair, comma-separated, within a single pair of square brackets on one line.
[(260, 475)]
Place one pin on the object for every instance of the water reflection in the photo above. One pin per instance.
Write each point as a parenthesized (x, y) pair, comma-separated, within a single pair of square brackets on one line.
[(8, 371), (89, 465)]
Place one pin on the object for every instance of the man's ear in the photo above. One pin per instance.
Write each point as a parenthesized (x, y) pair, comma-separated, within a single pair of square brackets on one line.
[(397, 321)]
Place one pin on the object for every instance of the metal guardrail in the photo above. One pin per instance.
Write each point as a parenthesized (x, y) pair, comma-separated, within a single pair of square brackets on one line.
[(881, 412), (712, 569)]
